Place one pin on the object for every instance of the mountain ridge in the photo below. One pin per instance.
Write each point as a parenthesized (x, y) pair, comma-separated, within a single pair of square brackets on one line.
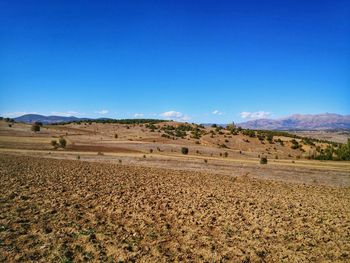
[(323, 121)]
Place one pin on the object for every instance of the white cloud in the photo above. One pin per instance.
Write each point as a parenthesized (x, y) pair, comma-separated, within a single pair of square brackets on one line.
[(138, 115), (65, 113), (102, 112), (255, 115), (175, 115), (172, 114), (216, 112)]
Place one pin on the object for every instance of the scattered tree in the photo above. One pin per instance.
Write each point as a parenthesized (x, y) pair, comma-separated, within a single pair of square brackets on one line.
[(35, 127), (184, 150), (263, 160), (63, 142)]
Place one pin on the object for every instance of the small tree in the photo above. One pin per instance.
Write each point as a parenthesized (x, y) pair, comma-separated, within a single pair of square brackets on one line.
[(263, 160), (184, 150), (115, 136), (35, 127), (63, 142)]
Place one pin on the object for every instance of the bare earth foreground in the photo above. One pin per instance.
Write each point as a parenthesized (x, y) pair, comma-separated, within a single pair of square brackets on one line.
[(73, 211)]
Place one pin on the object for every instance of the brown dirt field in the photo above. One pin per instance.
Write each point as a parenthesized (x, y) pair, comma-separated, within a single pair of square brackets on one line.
[(75, 211), (98, 148)]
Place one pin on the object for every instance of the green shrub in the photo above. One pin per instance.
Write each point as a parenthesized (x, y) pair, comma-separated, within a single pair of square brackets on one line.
[(263, 160), (63, 142), (35, 127), (343, 152), (184, 150)]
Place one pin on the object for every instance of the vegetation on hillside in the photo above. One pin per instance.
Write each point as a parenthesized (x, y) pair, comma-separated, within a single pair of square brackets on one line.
[(119, 121), (340, 153)]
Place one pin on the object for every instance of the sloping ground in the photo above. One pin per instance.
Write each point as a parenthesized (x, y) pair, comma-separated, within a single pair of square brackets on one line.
[(61, 210), (98, 148)]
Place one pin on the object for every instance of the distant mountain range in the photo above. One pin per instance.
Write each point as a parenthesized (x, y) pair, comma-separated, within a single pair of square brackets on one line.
[(326, 121), (31, 118)]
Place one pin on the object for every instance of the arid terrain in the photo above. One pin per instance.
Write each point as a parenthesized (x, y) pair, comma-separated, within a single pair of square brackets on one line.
[(126, 193)]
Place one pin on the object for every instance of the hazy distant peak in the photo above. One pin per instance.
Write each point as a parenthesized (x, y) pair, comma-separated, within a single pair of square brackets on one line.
[(321, 121)]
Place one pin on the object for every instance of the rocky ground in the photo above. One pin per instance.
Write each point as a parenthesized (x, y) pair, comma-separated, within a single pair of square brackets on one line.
[(75, 211)]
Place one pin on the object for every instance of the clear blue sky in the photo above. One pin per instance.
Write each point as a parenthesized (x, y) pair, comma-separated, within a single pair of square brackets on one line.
[(203, 61)]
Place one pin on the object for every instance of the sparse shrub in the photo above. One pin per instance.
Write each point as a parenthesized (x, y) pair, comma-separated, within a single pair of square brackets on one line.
[(35, 127), (144, 156), (63, 142), (249, 133), (100, 153), (10, 125), (184, 150), (225, 154), (78, 157), (54, 143), (263, 160), (205, 160), (120, 161), (276, 157), (295, 144), (150, 150), (269, 138), (116, 136)]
